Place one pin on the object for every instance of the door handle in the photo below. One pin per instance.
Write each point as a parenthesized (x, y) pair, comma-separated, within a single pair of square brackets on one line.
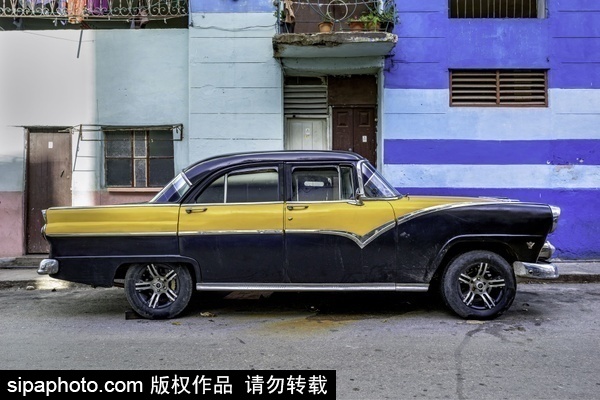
[(297, 207), (190, 210)]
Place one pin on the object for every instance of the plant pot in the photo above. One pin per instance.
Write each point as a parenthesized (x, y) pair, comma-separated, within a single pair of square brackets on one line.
[(356, 26), (325, 26)]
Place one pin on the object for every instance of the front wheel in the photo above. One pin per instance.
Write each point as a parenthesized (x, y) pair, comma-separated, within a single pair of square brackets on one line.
[(158, 291), (478, 284)]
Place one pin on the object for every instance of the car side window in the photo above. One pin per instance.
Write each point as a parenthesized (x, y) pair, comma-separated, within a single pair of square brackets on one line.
[(248, 186), (322, 183)]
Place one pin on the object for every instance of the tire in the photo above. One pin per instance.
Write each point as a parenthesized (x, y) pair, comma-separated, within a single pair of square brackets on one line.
[(478, 285), (158, 291)]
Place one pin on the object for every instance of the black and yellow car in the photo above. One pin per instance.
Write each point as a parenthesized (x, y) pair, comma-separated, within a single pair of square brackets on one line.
[(300, 221)]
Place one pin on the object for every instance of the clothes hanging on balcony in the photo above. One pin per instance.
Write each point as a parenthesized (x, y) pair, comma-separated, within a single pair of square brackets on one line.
[(290, 18)]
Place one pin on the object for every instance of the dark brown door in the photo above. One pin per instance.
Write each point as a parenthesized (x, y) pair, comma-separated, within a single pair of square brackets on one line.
[(48, 181), (354, 130)]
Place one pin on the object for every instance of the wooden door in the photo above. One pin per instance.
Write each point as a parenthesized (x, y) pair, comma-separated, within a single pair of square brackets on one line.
[(354, 130), (48, 181)]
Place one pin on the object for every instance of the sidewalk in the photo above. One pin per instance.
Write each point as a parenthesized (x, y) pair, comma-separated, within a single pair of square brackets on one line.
[(21, 272)]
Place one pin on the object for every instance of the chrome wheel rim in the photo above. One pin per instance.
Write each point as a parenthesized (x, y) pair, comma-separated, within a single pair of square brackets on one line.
[(482, 287), (157, 286)]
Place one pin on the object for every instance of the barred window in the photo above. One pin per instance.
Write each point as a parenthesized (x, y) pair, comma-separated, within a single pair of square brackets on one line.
[(480, 87), (497, 8), (138, 157)]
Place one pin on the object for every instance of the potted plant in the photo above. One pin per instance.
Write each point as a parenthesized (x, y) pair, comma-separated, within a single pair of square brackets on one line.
[(382, 19), (356, 24), (326, 24), (371, 20), (388, 19)]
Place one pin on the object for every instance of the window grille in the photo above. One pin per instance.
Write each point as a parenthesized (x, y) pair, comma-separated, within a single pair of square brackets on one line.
[(498, 88), (497, 8), (138, 157)]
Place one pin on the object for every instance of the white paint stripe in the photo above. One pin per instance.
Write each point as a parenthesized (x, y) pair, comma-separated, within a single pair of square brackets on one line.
[(494, 176), (426, 114)]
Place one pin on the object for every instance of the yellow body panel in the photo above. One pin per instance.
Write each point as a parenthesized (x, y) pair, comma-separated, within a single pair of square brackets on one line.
[(217, 218), (341, 216), (114, 220)]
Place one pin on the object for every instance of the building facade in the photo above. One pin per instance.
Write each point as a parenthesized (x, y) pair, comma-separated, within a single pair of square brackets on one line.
[(455, 97)]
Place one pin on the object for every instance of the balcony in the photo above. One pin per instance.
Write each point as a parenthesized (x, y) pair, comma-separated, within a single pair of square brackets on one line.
[(334, 36), (79, 13)]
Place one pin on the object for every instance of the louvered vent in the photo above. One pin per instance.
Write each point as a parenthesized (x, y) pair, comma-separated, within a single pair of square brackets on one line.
[(496, 8), (498, 88), (305, 100)]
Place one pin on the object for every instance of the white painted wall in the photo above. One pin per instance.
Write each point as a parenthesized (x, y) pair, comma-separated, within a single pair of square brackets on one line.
[(44, 84)]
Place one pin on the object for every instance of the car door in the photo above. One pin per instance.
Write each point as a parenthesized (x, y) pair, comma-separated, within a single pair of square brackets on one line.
[(234, 227), (330, 237)]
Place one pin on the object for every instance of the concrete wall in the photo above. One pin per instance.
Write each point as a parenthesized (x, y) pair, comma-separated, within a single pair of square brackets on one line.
[(57, 78), (535, 154)]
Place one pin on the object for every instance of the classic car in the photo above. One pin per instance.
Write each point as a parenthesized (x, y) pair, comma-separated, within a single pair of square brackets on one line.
[(301, 221)]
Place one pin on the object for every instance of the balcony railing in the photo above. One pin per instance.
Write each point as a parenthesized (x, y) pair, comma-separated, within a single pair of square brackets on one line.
[(77, 11), (307, 16)]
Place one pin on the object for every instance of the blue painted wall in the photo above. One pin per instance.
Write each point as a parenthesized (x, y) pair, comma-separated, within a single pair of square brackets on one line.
[(534, 154)]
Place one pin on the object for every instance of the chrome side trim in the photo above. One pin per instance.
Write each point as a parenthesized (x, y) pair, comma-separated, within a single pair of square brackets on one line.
[(103, 206), (315, 287), (535, 270), (361, 241), (48, 266), (234, 232), (429, 210), (95, 234)]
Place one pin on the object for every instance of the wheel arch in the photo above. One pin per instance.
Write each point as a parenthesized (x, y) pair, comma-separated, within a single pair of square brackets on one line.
[(461, 245), (189, 263)]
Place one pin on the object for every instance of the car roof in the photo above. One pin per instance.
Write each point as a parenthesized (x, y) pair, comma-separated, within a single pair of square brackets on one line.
[(201, 168)]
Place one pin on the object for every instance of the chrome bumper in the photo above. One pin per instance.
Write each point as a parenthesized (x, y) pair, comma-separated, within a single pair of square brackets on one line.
[(535, 270), (48, 266)]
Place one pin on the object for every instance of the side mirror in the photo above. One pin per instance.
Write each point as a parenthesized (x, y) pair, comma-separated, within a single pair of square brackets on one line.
[(358, 196)]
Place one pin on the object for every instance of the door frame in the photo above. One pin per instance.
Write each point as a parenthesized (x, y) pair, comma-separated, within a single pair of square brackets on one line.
[(29, 131)]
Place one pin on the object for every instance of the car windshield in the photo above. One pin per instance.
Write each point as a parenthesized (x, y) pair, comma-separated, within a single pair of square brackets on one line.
[(174, 191), (375, 185)]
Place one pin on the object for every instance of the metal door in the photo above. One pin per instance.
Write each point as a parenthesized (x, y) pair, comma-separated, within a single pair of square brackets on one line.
[(307, 134), (48, 181)]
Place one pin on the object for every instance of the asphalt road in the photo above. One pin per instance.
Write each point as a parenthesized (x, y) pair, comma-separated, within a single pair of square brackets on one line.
[(547, 346)]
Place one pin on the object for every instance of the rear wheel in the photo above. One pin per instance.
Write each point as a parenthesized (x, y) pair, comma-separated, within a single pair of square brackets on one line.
[(478, 284), (158, 291)]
